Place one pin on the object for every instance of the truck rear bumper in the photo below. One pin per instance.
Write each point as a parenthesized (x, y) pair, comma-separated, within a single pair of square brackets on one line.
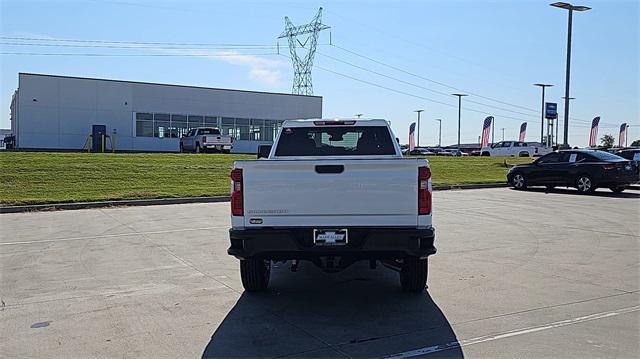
[(364, 243)]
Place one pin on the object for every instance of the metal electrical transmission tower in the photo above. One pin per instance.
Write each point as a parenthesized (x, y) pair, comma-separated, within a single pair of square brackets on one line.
[(302, 84)]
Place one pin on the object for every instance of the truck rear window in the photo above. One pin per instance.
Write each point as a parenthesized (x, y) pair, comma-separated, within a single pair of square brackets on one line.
[(335, 141), (208, 131)]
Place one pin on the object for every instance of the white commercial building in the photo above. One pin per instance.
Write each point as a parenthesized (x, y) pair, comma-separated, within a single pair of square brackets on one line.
[(59, 113)]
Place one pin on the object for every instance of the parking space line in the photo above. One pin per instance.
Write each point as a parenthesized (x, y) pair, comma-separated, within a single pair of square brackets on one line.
[(512, 333), (112, 235)]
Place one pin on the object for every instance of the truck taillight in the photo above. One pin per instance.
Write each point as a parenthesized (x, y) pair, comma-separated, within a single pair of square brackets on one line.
[(424, 195), (204, 139), (237, 200)]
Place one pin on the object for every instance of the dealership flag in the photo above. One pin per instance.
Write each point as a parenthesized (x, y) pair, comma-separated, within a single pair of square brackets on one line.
[(486, 130), (593, 137), (523, 131), (621, 136), (412, 141)]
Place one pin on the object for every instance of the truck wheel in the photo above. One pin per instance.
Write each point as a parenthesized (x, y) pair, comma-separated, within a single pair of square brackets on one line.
[(255, 274), (524, 154), (413, 276), (486, 154)]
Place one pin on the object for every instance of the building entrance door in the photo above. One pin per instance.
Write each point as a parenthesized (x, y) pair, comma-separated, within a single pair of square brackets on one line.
[(98, 135)]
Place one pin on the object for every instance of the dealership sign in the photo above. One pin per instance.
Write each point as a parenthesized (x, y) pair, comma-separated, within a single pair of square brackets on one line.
[(551, 110)]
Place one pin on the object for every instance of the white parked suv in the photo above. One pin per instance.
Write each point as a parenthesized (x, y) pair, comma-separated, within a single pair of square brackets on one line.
[(332, 192), (514, 149)]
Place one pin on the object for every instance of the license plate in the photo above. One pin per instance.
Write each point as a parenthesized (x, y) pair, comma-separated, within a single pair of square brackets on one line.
[(330, 237)]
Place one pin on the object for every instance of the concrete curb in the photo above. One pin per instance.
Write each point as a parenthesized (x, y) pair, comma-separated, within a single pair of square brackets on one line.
[(468, 186), (163, 201), (103, 204)]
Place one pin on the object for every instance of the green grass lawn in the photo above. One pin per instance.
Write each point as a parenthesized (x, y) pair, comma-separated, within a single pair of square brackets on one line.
[(41, 177)]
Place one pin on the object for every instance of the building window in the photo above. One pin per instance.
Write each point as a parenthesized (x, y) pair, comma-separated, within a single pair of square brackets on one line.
[(195, 121), (210, 121), (242, 129), (270, 129), (161, 124), (228, 126), (179, 125), (256, 130), (144, 124)]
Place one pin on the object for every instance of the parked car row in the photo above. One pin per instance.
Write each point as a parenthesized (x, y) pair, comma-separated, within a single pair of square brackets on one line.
[(437, 151), (585, 170)]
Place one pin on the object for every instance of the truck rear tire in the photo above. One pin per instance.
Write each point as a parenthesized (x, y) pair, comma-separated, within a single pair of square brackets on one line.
[(413, 275), (255, 274)]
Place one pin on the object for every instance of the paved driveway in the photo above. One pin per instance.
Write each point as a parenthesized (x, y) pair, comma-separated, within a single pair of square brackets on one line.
[(517, 274)]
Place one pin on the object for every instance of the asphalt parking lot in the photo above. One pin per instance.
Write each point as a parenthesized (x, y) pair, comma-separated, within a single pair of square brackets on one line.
[(517, 274)]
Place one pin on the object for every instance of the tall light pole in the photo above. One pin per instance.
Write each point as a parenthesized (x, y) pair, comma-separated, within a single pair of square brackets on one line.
[(543, 86), (558, 124), (439, 132), (571, 8), (493, 131), (502, 133), (418, 111), (460, 95), (626, 136)]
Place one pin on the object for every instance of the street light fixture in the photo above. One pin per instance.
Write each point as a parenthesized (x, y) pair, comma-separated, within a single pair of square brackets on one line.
[(439, 132), (418, 111), (460, 95), (543, 86), (358, 115), (571, 9)]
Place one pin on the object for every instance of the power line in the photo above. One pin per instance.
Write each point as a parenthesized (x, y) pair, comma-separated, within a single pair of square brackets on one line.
[(125, 42), (449, 86), (422, 87), (410, 94), (429, 79), (134, 47), (133, 55)]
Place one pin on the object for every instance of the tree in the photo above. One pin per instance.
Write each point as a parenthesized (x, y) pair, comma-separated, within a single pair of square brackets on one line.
[(607, 141), (635, 143)]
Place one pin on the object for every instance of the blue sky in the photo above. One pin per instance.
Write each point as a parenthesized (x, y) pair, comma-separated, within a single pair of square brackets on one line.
[(494, 49)]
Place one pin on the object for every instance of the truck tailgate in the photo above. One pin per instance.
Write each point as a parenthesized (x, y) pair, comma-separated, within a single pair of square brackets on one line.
[(330, 193)]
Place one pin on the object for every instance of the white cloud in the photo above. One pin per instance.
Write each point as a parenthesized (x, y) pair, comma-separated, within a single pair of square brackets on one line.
[(261, 69)]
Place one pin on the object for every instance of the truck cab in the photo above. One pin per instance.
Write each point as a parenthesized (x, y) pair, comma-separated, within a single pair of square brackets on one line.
[(332, 192), (514, 149)]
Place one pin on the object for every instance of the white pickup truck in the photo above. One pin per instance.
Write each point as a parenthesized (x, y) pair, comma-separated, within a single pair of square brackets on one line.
[(514, 149), (203, 139), (332, 192)]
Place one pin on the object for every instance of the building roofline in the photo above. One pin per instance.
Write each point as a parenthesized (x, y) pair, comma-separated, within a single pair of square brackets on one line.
[(161, 84)]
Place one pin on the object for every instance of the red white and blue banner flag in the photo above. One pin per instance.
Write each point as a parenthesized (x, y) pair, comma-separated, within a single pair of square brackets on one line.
[(486, 130), (622, 135), (523, 131), (593, 137), (412, 141)]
